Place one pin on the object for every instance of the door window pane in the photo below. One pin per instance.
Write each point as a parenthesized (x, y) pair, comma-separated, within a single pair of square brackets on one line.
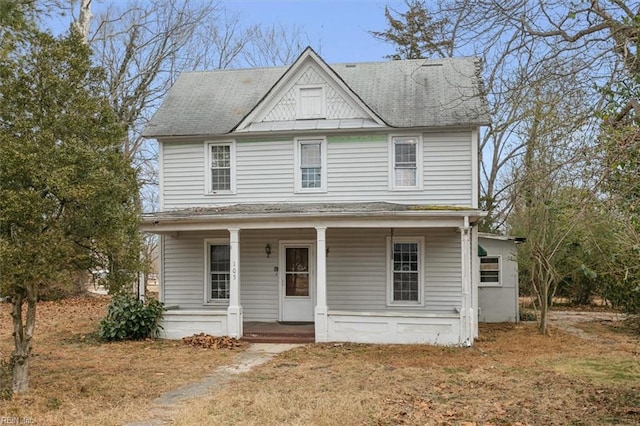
[(297, 271)]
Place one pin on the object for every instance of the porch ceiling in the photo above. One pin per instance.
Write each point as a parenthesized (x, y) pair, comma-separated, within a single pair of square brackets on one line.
[(301, 215)]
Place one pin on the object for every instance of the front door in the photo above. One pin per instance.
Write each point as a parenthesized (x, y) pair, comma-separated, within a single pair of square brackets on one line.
[(297, 282)]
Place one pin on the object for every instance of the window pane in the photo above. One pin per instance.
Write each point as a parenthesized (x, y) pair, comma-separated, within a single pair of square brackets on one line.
[(219, 286), (405, 153), (405, 272), (310, 154), (405, 286), (405, 165), (220, 156), (489, 276), (405, 177), (297, 285), (297, 259), (219, 270), (311, 177), (221, 179), (490, 269), (311, 164)]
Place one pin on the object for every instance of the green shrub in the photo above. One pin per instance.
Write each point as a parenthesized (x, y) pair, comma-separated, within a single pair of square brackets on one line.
[(527, 315), (131, 319)]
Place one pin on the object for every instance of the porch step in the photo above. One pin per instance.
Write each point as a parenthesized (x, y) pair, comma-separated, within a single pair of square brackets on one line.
[(278, 332), (279, 338)]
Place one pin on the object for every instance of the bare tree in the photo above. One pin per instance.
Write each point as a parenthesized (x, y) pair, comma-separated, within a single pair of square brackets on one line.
[(144, 45), (274, 46), (551, 193), (513, 65)]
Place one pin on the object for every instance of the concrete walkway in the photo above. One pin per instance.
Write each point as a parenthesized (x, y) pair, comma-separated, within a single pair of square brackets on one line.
[(255, 355)]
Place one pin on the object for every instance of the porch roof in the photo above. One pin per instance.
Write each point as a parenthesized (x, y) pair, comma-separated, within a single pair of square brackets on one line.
[(298, 215)]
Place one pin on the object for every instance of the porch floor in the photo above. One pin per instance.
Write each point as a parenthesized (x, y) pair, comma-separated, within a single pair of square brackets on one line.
[(275, 332)]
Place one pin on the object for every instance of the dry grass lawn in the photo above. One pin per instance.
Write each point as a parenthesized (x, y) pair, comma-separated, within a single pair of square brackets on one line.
[(511, 375), (78, 380)]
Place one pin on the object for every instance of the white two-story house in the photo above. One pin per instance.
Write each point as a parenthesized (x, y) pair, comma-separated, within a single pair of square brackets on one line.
[(340, 195)]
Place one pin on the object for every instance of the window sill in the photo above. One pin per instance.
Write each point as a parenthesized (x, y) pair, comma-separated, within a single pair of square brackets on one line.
[(405, 304), (213, 194), (311, 191), (406, 189), (218, 303)]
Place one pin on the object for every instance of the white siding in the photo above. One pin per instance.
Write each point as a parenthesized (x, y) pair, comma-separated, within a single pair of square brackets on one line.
[(184, 265), (183, 173), (258, 279), (447, 168), (356, 270), (444, 273), (499, 303), (183, 278), (357, 171)]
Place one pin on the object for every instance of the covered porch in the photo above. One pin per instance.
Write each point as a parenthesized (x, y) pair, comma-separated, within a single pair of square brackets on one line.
[(347, 275)]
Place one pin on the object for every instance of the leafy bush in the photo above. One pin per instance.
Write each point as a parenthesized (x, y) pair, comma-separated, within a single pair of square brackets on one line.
[(131, 319), (527, 315)]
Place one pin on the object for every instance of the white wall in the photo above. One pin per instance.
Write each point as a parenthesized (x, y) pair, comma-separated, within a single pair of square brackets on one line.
[(358, 171), (499, 303), (356, 270)]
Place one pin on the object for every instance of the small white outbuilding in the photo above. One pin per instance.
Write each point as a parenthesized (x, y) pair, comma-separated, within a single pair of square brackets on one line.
[(498, 286)]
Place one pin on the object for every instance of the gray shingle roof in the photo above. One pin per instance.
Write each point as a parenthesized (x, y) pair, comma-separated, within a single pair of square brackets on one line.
[(410, 93)]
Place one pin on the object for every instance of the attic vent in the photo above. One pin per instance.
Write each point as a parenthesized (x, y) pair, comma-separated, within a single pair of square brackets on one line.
[(431, 65), (350, 65)]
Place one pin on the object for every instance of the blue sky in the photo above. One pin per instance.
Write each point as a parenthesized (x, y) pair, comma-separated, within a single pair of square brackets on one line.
[(340, 27)]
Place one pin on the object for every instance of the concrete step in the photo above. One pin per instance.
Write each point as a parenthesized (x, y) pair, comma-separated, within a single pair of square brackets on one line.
[(279, 338)]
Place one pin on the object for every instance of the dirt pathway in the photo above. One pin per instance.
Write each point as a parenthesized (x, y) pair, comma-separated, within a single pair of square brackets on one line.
[(255, 355), (568, 321)]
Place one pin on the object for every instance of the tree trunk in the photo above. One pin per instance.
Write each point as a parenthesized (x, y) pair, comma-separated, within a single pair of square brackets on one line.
[(544, 308), (83, 23), (22, 335)]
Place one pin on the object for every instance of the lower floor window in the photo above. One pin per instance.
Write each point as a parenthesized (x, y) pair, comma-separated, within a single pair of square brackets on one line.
[(490, 270), (219, 275), (406, 272)]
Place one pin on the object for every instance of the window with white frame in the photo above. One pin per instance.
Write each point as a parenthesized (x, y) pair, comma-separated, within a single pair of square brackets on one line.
[(406, 164), (406, 271), (221, 168), (490, 270), (311, 102), (311, 165), (218, 271)]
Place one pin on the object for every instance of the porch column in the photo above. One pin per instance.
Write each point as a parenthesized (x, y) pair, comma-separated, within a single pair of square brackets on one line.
[(466, 311), (475, 278), (321, 320), (234, 311)]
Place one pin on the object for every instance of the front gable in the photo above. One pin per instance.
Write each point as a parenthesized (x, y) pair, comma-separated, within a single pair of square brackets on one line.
[(309, 95)]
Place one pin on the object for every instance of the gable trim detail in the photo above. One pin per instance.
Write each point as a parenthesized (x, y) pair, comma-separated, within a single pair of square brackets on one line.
[(282, 99)]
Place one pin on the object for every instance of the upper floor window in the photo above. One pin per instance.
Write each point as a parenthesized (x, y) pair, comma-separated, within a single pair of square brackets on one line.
[(311, 103), (221, 170), (311, 165), (406, 162)]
